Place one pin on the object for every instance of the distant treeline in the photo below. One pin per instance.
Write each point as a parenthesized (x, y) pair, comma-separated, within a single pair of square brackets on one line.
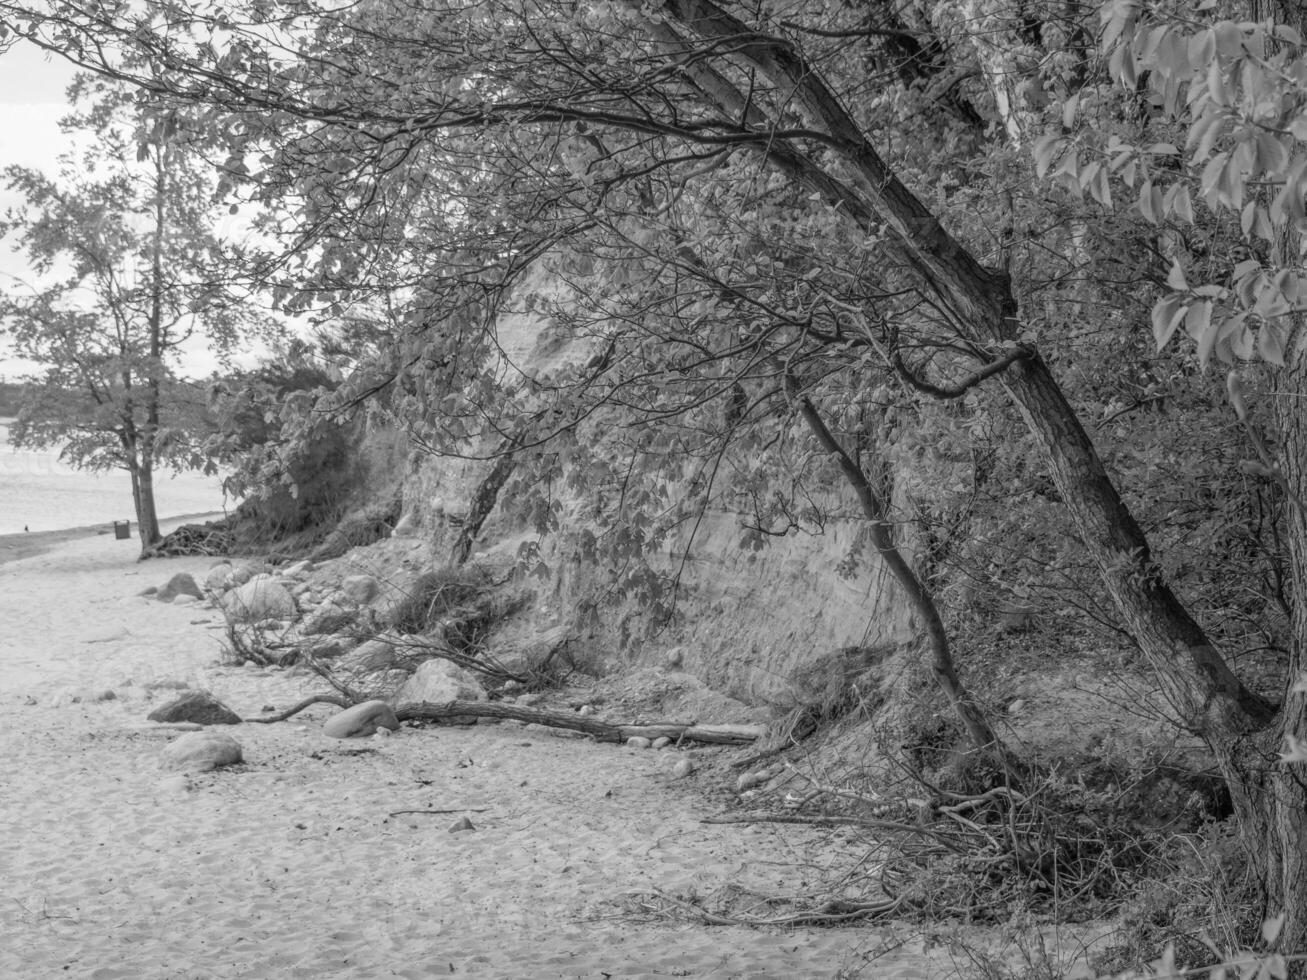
[(11, 394)]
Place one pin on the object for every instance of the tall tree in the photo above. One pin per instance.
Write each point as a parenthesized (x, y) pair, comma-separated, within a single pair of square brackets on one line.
[(129, 267)]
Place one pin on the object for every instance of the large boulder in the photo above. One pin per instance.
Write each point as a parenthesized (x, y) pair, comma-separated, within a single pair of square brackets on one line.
[(183, 583), (361, 589), (439, 681), (361, 720), (200, 707), (200, 752), (262, 597)]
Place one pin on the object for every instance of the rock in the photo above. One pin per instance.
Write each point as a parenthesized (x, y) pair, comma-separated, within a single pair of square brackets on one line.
[(461, 825), (638, 742), (239, 575), (748, 780), (675, 657), (361, 589), (1016, 707), (586, 709), (301, 567), (327, 618), (682, 768), (182, 583), (370, 656), (260, 598), (200, 752), (216, 578), (661, 742), (360, 720), (200, 707), (329, 647), (148, 591), (439, 681)]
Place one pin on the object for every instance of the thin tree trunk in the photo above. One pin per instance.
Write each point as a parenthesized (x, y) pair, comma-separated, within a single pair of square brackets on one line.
[(978, 729), (483, 502)]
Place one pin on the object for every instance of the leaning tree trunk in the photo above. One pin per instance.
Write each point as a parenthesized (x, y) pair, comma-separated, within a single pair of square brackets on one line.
[(1285, 856), (979, 732)]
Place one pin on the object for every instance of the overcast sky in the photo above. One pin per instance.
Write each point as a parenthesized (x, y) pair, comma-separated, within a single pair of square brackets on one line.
[(32, 101)]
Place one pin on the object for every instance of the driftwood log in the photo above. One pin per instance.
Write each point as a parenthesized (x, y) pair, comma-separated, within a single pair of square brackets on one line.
[(601, 730)]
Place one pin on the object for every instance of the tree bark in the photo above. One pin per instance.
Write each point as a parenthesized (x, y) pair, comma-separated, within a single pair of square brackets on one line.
[(1285, 872)]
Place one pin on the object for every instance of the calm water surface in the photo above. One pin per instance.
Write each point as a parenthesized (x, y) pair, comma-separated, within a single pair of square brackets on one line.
[(40, 493)]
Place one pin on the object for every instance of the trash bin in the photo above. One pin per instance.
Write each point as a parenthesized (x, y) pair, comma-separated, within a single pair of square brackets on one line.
[(122, 530)]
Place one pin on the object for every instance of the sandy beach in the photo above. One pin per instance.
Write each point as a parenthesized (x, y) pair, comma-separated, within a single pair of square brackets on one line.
[(298, 864)]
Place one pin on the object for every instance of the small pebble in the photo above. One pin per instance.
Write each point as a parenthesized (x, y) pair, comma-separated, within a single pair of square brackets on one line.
[(638, 742), (381, 733), (585, 709), (662, 742), (1016, 707), (461, 825), (682, 768)]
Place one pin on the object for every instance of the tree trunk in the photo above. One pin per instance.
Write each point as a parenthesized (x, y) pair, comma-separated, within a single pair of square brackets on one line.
[(1285, 854), (979, 732), (147, 516)]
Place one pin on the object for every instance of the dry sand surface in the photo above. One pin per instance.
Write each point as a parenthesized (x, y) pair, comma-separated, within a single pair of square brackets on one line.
[(292, 865)]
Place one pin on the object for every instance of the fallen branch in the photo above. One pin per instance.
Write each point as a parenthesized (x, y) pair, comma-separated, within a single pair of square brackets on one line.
[(601, 730), (289, 712), (459, 809)]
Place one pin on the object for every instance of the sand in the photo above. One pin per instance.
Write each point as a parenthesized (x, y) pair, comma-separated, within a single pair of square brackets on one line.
[(293, 865)]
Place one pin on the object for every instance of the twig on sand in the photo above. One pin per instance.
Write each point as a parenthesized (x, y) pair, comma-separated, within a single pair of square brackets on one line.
[(457, 809)]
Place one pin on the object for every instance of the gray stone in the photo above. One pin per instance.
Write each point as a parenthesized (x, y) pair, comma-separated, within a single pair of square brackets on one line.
[(200, 707), (638, 742), (360, 588), (361, 720), (439, 681), (370, 656), (327, 618), (260, 598), (216, 579), (200, 752), (461, 825), (682, 768), (661, 742), (182, 583)]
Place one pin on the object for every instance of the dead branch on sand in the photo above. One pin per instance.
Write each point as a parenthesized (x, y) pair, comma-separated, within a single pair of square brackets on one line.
[(600, 730)]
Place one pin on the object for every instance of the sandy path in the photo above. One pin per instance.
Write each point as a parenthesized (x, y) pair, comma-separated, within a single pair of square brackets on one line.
[(291, 866)]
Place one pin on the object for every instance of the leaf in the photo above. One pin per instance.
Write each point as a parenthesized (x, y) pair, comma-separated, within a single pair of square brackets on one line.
[(1167, 314), (1271, 341), (1271, 929), (1069, 108), (1177, 203), (1175, 278)]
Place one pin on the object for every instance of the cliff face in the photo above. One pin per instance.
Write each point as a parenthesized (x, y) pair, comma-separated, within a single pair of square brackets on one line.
[(745, 621)]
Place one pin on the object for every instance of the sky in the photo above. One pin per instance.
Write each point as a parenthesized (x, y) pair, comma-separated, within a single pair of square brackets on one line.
[(32, 87)]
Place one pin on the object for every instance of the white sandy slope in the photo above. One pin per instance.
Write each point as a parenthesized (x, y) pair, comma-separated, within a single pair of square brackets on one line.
[(292, 866)]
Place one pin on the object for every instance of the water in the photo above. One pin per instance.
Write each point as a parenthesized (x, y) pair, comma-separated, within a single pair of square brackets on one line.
[(40, 493)]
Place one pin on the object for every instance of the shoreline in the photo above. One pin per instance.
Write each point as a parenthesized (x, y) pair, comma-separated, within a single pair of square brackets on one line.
[(29, 544)]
